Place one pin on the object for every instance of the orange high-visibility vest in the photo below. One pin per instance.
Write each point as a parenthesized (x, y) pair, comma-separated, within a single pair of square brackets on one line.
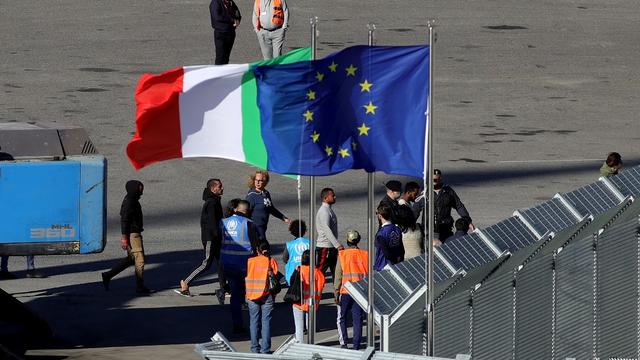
[(257, 272), (278, 13), (355, 266), (319, 285)]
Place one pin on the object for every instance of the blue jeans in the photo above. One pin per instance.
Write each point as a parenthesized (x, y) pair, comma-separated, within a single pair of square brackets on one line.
[(260, 311), (235, 279)]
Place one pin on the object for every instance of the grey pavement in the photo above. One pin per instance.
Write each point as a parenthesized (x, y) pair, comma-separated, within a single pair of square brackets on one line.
[(529, 98)]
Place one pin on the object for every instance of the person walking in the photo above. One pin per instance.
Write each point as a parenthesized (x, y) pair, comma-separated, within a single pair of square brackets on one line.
[(353, 265), (259, 299), (210, 218), (270, 22), (260, 203), (301, 311), (388, 243), (293, 249), (239, 241), (131, 225), (327, 226), (225, 18)]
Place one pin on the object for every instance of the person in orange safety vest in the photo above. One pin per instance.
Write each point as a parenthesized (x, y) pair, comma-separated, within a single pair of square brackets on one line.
[(300, 311), (352, 266), (259, 299)]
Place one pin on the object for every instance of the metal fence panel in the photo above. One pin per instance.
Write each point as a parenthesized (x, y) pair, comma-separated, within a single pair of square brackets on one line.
[(406, 334), (617, 289), (534, 309), (467, 252), (492, 322), (574, 323), (452, 325), (628, 181)]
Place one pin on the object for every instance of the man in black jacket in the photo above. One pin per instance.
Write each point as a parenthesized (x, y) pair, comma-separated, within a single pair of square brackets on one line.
[(210, 235), (446, 199), (225, 18), (131, 240), (394, 191)]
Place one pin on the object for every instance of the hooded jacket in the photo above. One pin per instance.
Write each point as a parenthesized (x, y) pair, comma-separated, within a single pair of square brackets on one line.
[(211, 214), (131, 210)]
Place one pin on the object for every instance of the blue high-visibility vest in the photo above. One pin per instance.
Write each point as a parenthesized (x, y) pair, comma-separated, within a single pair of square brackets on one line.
[(295, 248), (236, 246)]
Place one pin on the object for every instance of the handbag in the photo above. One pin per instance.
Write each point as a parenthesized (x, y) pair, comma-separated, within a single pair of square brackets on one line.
[(273, 283), (294, 294)]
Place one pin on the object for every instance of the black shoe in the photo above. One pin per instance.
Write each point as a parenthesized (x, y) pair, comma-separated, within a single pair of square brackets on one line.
[(35, 274), (344, 346), (5, 275), (144, 291), (105, 281)]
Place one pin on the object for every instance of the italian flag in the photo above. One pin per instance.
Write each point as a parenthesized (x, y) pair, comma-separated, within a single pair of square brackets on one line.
[(201, 111)]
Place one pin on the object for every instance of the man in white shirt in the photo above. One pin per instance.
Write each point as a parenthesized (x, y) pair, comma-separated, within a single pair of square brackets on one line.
[(327, 245)]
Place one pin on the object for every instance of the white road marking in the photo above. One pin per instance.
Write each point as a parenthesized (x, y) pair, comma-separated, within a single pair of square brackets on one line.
[(543, 161)]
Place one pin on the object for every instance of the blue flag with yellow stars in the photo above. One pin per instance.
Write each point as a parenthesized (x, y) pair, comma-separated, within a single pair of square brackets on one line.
[(361, 108)]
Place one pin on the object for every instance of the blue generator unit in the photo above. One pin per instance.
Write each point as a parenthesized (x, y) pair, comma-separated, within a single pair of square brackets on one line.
[(52, 191)]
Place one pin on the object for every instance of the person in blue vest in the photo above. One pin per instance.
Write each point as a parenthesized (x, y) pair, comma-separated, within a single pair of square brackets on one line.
[(292, 255), (239, 241)]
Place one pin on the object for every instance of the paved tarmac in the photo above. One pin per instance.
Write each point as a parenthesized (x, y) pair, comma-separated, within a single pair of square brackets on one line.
[(529, 98)]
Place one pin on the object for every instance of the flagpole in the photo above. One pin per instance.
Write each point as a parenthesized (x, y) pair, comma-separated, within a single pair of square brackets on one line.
[(429, 193), (370, 235), (311, 331)]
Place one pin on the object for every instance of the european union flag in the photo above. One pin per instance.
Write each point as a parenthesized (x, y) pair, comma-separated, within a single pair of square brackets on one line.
[(361, 108)]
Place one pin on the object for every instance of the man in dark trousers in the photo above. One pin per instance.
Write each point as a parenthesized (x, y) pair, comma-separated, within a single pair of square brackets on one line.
[(445, 200), (210, 235), (388, 242), (225, 18), (394, 191), (131, 240)]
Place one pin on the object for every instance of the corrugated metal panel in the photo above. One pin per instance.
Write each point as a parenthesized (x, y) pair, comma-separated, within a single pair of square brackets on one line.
[(452, 325), (573, 336), (617, 295), (406, 333), (394, 356), (467, 252), (534, 309), (224, 355), (412, 271), (306, 351), (510, 234), (593, 199), (549, 216), (492, 324), (627, 181)]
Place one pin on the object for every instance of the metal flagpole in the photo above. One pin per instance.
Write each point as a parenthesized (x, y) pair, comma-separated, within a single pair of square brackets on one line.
[(370, 236), (299, 205), (311, 331), (429, 193)]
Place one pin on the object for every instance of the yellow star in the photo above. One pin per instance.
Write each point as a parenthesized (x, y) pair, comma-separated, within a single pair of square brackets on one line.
[(315, 136), (365, 86), (329, 150), (364, 130), (344, 153), (354, 145), (319, 76), (308, 116), (333, 66), (371, 109), (311, 95), (351, 70)]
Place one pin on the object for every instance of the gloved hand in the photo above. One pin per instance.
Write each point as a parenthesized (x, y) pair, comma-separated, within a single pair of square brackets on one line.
[(124, 242)]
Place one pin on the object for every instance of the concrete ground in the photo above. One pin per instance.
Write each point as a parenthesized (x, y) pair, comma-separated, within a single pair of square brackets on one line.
[(529, 98)]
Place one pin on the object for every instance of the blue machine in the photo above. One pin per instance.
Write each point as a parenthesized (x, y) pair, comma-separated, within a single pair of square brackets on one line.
[(52, 191)]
